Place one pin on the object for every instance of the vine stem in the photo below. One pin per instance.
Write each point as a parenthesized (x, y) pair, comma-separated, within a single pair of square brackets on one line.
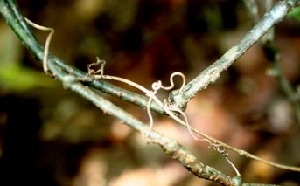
[(70, 78)]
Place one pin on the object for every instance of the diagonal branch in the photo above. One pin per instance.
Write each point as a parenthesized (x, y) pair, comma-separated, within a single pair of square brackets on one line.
[(212, 73)]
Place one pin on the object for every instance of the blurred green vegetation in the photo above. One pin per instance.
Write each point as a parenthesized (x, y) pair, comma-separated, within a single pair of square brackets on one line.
[(17, 78), (295, 14)]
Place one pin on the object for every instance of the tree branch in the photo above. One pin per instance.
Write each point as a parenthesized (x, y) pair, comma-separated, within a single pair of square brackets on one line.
[(70, 77), (212, 73)]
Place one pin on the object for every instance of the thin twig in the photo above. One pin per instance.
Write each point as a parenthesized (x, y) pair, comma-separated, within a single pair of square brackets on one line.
[(286, 87), (47, 42)]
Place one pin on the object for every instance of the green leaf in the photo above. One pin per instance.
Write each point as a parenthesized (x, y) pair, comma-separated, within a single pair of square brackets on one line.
[(295, 14)]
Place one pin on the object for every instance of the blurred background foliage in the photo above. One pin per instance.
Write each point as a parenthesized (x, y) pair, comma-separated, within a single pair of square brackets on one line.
[(50, 136)]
